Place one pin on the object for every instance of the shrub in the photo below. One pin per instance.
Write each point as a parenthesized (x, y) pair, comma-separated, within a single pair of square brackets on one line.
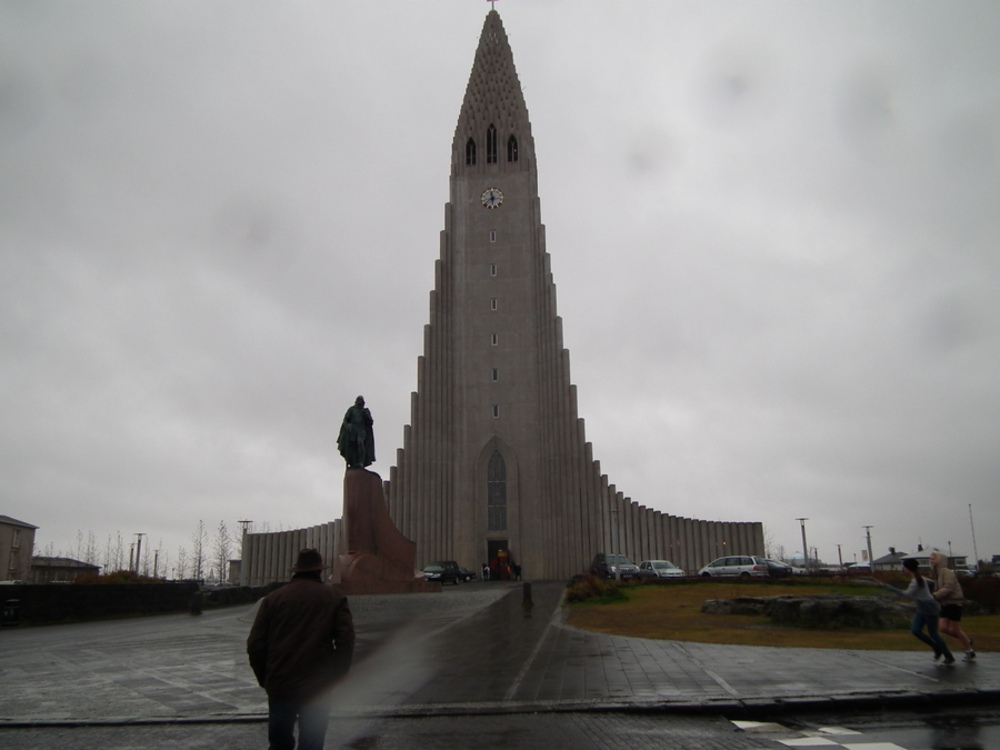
[(984, 591), (584, 588), (118, 576)]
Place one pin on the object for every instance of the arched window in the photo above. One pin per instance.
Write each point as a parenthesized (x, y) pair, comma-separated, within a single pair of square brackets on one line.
[(491, 145), (470, 152), (512, 149), (496, 493)]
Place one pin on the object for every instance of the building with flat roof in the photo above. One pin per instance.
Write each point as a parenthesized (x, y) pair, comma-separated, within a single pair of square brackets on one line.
[(17, 543)]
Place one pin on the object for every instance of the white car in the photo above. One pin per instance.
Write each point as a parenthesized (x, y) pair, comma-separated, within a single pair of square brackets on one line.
[(736, 566), (659, 569)]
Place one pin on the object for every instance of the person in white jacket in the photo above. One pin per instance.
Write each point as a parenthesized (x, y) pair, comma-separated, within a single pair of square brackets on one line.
[(948, 592)]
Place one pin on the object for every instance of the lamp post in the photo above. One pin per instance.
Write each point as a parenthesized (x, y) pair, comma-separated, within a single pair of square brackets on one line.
[(805, 549), (138, 550), (975, 549), (244, 572), (871, 558)]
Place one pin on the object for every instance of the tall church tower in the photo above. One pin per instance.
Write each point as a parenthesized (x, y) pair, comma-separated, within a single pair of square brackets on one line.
[(495, 457), (486, 463)]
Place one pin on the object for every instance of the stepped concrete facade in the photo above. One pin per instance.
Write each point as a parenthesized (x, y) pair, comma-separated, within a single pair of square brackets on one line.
[(495, 459)]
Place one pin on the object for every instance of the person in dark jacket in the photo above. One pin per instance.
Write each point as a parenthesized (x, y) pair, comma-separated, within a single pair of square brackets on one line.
[(301, 643)]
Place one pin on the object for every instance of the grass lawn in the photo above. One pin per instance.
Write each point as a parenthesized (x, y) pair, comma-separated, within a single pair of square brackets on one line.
[(672, 611)]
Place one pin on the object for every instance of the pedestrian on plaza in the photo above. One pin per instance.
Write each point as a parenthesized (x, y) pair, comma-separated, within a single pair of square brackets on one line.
[(301, 643), (928, 610), (948, 592), (486, 571)]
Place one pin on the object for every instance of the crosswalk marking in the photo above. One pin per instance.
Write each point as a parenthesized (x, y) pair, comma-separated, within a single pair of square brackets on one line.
[(832, 736)]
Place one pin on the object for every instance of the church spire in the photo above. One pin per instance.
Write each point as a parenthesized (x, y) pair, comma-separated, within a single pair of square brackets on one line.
[(493, 133)]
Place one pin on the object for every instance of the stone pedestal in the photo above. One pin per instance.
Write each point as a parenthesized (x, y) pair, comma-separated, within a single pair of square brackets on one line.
[(379, 559)]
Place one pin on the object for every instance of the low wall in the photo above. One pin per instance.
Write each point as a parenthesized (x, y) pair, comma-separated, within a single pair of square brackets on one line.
[(41, 604)]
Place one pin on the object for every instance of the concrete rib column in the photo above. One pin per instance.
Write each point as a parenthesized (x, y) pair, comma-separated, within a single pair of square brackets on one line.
[(629, 541), (278, 553), (592, 540), (651, 553), (249, 556), (272, 554), (657, 528), (418, 456), (693, 534)]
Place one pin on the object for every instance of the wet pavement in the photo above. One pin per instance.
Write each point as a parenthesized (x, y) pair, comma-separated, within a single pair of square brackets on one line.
[(470, 650)]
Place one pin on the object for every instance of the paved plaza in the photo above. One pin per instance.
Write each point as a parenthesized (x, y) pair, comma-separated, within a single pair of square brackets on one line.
[(469, 650)]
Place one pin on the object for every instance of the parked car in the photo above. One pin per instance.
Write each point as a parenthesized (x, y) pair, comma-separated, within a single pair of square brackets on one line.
[(778, 569), (613, 566), (467, 575), (442, 571), (736, 566), (659, 569)]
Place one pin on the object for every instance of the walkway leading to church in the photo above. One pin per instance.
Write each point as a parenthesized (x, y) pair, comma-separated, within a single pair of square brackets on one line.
[(467, 650)]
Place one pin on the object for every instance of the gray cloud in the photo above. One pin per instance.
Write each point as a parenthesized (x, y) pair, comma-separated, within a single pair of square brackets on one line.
[(772, 228)]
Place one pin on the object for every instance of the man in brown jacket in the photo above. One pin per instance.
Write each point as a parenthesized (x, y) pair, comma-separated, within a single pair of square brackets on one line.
[(301, 643)]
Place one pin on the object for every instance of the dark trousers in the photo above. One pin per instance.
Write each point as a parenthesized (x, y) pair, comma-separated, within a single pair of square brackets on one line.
[(932, 639), (313, 717)]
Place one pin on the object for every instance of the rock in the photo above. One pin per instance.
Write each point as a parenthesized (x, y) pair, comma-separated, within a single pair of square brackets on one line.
[(822, 611)]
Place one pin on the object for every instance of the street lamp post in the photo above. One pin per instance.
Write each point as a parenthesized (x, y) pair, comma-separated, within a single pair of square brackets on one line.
[(871, 558), (805, 549), (138, 550), (975, 549)]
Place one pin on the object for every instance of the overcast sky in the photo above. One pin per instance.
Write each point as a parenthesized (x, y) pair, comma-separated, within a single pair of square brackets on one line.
[(773, 226)]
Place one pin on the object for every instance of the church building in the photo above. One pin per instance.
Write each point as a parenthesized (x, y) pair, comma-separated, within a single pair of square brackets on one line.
[(495, 463)]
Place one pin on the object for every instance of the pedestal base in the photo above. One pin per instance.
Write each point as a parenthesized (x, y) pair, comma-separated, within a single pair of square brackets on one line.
[(379, 559)]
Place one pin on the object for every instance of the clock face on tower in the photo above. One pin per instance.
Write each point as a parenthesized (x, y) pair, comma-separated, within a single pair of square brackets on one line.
[(492, 197)]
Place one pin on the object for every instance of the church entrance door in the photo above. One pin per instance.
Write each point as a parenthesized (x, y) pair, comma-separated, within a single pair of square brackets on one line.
[(500, 560)]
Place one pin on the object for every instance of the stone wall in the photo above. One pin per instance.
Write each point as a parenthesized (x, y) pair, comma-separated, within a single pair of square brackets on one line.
[(823, 611)]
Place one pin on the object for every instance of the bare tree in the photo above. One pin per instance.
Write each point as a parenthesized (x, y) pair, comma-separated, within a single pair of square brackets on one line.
[(90, 550), (223, 550), (146, 562), (200, 540), (768, 543), (182, 563), (161, 562), (114, 554)]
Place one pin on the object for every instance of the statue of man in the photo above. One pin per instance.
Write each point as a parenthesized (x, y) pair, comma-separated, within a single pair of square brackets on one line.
[(357, 438)]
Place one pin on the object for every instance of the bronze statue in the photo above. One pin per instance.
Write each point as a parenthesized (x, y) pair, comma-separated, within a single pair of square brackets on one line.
[(357, 438)]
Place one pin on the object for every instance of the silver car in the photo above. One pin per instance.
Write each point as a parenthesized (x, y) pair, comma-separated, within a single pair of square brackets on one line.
[(659, 569), (736, 566)]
